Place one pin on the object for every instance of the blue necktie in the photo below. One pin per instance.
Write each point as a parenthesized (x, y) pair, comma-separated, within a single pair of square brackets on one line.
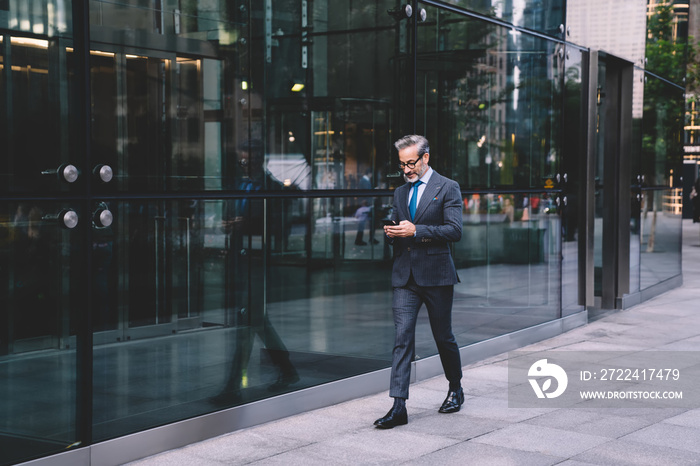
[(414, 199)]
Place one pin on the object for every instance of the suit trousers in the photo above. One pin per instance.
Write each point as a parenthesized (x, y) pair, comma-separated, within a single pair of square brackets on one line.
[(407, 301)]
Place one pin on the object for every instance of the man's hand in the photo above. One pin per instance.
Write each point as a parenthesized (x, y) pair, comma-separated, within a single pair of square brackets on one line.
[(402, 230)]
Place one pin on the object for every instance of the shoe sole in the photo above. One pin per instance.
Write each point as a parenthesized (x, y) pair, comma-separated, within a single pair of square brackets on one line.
[(381, 426), (449, 412)]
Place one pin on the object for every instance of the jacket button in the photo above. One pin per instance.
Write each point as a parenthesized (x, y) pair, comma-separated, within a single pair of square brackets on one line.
[(408, 249)]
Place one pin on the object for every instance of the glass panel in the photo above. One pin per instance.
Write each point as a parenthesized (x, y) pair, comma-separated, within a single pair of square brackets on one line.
[(270, 316), (40, 303), (661, 165), (41, 259), (41, 17), (661, 233), (334, 294), (492, 107), (328, 105), (508, 262), (489, 100), (348, 144), (156, 134), (164, 268), (540, 15), (666, 39), (168, 106), (35, 95), (339, 15), (661, 144)]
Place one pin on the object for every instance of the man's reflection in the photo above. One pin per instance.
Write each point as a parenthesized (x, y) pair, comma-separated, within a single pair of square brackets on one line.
[(244, 220)]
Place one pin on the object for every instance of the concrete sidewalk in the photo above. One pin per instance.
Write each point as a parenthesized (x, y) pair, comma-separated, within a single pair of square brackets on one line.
[(486, 431)]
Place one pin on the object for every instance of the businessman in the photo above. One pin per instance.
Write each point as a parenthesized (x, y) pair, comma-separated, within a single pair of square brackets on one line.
[(428, 217)]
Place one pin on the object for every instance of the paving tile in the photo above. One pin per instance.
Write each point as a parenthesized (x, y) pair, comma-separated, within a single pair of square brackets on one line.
[(497, 409), (471, 453), (309, 427), (573, 463), (598, 345), (497, 372), (648, 415), (668, 435), (241, 447), (365, 409), (174, 458), (491, 382), (306, 457), (374, 447), (630, 453), (688, 419), (687, 344), (544, 440), (458, 426), (589, 422)]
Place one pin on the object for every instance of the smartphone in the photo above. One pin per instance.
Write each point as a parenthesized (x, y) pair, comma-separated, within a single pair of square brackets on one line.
[(388, 222)]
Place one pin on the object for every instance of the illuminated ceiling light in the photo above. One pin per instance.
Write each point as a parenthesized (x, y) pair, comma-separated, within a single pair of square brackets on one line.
[(44, 44), (297, 87)]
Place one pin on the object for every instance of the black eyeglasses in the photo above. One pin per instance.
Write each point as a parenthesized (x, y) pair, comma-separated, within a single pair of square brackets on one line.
[(410, 165)]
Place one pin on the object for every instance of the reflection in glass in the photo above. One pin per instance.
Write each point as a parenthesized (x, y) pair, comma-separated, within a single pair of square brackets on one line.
[(508, 263), (169, 116), (39, 308), (660, 233), (329, 104), (543, 16), (661, 190), (666, 39), (33, 16), (222, 302), (36, 106), (496, 96)]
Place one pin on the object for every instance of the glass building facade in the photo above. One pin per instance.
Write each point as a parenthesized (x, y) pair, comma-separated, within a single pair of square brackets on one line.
[(192, 192)]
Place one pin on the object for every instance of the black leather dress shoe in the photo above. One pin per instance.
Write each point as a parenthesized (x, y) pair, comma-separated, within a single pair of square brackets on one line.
[(453, 402), (395, 417)]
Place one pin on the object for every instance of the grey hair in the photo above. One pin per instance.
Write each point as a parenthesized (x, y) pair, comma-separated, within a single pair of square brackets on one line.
[(414, 140)]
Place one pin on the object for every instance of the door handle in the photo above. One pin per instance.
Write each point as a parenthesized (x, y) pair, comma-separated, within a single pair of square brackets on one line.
[(104, 173), (66, 172), (102, 217), (66, 218)]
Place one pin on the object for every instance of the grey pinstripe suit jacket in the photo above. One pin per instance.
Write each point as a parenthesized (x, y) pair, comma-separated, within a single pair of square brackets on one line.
[(438, 222)]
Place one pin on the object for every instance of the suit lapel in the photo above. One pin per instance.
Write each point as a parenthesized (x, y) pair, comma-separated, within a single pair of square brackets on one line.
[(403, 202), (431, 190)]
